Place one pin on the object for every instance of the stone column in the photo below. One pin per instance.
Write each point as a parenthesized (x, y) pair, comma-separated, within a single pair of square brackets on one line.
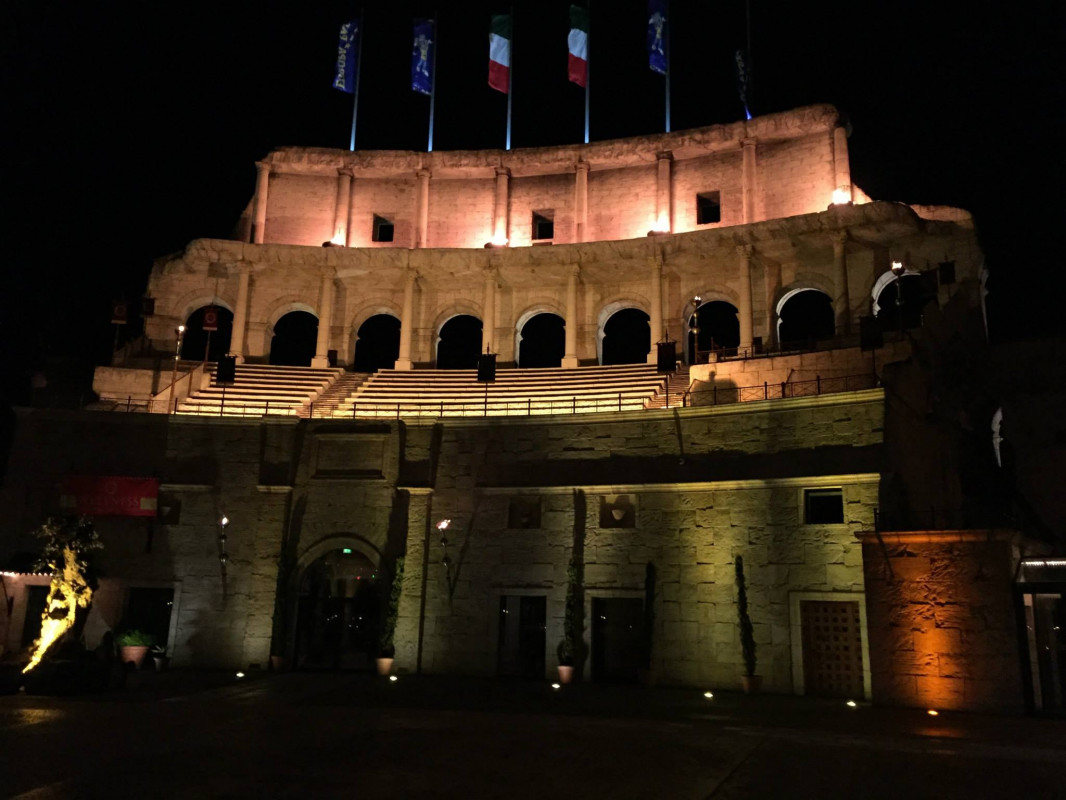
[(748, 179), (656, 316), (581, 200), (240, 313), (325, 323), (744, 316), (340, 212), (488, 322), (410, 615), (842, 301), (500, 232), (262, 181), (407, 321), (664, 221), (352, 238), (422, 233), (841, 164), (570, 357)]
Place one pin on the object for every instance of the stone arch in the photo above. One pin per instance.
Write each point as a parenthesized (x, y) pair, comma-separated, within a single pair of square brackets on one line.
[(539, 306), (718, 294), (454, 309), (884, 280), (192, 301), (812, 328), (370, 307), (282, 306), (612, 307)]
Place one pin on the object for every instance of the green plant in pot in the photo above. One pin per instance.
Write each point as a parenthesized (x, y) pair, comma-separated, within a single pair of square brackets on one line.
[(749, 680), (565, 651), (133, 645), (386, 641)]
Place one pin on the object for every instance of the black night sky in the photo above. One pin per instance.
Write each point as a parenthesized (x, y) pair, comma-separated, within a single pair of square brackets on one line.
[(133, 128)]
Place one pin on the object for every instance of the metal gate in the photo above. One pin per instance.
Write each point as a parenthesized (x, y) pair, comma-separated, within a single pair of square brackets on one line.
[(832, 648)]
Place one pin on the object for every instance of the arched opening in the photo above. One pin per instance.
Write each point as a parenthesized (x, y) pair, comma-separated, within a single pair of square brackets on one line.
[(196, 341), (907, 312), (713, 327), (459, 343), (805, 316), (294, 340), (542, 341), (338, 612), (626, 338), (377, 344)]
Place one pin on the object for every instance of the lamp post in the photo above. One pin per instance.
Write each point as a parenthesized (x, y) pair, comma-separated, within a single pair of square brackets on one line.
[(174, 369), (441, 527), (223, 556), (898, 269)]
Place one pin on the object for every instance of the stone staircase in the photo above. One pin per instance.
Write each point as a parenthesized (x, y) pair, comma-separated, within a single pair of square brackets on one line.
[(677, 384), (331, 403), (261, 390)]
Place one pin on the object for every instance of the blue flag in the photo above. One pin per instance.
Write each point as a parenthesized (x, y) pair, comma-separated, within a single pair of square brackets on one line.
[(344, 79), (657, 36), (422, 57), (743, 82)]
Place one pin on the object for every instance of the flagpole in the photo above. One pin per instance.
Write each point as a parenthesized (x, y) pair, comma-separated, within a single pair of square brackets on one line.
[(747, 22), (666, 53), (510, 80), (358, 73), (588, 67), (433, 82)]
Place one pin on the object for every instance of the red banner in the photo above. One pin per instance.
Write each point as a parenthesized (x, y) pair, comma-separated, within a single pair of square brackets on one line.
[(110, 496), (210, 318)]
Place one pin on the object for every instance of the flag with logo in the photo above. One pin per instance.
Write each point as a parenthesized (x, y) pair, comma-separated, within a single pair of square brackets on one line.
[(578, 44), (500, 53), (743, 81), (344, 76), (422, 57), (656, 36)]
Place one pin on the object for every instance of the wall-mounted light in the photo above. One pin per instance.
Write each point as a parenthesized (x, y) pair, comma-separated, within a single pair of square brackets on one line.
[(841, 197), (223, 556), (442, 526)]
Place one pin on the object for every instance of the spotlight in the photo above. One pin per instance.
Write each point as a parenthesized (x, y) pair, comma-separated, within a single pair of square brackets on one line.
[(393, 679), (240, 674), (709, 695), (556, 686), (933, 712), (852, 704)]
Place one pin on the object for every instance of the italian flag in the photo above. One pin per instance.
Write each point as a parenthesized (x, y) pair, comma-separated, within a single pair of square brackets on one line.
[(500, 53), (578, 42)]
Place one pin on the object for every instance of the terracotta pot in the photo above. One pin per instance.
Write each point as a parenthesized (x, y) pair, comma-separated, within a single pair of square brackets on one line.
[(751, 683), (134, 653), (277, 663), (384, 666), (566, 674)]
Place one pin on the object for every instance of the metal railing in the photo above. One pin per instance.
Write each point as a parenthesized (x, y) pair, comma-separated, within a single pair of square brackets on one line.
[(526, 407), (722, 395)]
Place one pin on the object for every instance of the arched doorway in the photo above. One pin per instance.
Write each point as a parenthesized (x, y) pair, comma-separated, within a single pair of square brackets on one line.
[(907, 313), (196, 341), (338, 612), (459, 343), (542, 341), (377, 344), (717, 328), (626, 338), (804, 316), (295, 338)]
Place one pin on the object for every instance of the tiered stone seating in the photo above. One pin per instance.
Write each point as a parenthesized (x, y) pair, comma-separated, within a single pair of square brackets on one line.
[(515, 392), (261, 389)]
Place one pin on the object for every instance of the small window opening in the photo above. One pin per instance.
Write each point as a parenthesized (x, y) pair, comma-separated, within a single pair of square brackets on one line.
[(543, 225), (523, 513), (708, 208), (823, 506), (618, 511), (383, 229)]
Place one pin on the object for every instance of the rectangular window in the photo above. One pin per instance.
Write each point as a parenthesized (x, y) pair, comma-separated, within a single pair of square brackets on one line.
[(823, 506), (708, 208), (523, 513), (543, 225), (384, 230)]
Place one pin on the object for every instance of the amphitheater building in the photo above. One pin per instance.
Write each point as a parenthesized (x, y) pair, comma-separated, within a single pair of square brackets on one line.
[(582, 476)]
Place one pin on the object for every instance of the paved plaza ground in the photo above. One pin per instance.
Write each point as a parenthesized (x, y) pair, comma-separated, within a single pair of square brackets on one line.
[(195, 735)]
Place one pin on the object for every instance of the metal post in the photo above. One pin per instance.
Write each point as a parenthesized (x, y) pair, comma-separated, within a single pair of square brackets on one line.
[(666, 53), (588, 67), (358, 73)]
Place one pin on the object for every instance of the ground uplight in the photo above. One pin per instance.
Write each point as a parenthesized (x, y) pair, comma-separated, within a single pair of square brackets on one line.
[(709, 695), (240, 674), (393, 679), (933, 712), (556, 686), (852, 704)]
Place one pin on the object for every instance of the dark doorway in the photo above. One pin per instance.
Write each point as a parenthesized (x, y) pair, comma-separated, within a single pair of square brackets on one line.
[(337, 613), (718, 329), (196, 341), (543, 341), (912, 298), (459, 343), (149, 610), (617, 639), (626, 338), (377, 344), (1045, 623), (36, 597), (295, 339), (806, 317), (521, 647), (832, 649)]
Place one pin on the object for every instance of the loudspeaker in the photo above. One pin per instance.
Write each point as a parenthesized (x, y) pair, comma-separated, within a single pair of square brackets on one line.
[(227, 370), (666, 360), (486, 368), (870, 336)]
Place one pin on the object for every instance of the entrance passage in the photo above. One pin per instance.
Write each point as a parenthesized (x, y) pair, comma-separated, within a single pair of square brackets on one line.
[(377, 344), (200, 345), (804, 318), (617, 639), (521, 648), (832, 649), (1045, 621), (295, 338), (337, 614), (459, 343), (542, 342), (149, 610), (714, 327), (626, 338)]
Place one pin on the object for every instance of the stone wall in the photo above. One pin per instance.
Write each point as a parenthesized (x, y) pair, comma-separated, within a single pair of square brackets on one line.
[(942, 621)]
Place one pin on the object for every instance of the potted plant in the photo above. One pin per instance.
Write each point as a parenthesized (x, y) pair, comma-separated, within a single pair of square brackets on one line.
[(565, 650), (386, 643), (133, 646), (749, 680)]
